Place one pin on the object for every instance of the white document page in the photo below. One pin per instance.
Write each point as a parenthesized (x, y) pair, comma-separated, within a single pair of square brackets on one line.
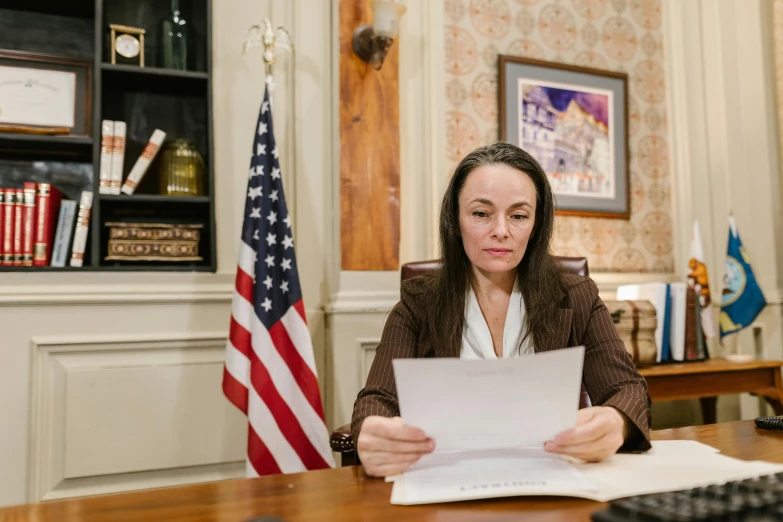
[(489, 420), (494, 473), (668, 466), (491, 404)]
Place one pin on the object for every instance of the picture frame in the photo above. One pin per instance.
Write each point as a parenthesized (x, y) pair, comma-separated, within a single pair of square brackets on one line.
[(574, 122), (57, 94)]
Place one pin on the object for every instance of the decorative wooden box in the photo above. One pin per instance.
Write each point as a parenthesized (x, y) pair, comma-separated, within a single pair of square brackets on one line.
[(153, 242), (635, 322)]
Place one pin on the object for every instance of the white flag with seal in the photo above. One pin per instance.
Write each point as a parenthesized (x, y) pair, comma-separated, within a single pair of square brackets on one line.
[(700, 282)]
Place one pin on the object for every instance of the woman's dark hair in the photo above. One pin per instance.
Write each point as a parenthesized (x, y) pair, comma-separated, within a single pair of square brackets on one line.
[(539, 277)]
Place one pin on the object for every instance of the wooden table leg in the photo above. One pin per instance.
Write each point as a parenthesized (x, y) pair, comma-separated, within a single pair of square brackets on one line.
[(709, 411), (775, 398)]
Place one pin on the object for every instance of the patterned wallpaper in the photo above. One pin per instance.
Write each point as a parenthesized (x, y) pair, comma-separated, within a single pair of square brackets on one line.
[(617, 35)]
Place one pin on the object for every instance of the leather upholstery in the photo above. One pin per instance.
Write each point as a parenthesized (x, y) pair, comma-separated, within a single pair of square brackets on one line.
[(341, 440)]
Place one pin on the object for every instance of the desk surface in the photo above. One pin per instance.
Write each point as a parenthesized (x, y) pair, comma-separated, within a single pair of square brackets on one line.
[(346, 494)]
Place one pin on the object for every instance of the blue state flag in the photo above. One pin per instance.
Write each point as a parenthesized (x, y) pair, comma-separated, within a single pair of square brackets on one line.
[(742, 299)]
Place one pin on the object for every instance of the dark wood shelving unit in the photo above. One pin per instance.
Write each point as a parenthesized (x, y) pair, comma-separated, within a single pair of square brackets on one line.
[(109, 68), (154, 198), (65, 147), (64, 8), (178, 102), (27, 269)]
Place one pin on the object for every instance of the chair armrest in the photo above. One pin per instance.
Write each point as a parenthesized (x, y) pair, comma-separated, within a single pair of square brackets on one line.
[(341, 440)]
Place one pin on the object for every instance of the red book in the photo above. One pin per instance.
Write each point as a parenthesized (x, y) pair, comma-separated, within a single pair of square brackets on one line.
[(47, 203), (28, 223), (8, 227), (18, 220)]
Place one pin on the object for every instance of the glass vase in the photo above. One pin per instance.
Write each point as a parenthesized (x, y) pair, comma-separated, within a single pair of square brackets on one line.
[(181, 169), (173, 34)]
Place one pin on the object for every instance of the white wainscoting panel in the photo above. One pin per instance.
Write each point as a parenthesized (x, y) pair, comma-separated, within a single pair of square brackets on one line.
[(120, 413), (367, 349)]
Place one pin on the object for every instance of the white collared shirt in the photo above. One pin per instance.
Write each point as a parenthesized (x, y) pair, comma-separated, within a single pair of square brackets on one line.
[(476, 339)]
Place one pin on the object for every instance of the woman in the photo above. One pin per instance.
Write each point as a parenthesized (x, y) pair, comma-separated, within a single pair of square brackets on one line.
[(499, 293)]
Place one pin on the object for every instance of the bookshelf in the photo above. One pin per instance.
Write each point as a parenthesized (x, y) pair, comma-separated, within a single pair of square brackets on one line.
[(179, 102)]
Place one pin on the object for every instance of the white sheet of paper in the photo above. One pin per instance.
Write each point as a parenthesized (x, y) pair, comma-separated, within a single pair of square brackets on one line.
[(479, 474), (491, 404), (668, 466)]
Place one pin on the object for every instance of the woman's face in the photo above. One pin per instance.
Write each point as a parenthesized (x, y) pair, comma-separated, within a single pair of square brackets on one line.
[(497, 210)]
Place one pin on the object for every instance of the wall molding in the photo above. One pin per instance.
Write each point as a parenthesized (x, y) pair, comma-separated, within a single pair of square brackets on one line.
[(123, 482), (363, 302), (149, 288), (53, 357), (435, 83), (366, 353)]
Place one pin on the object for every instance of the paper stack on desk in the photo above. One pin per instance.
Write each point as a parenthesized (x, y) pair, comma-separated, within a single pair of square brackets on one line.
[(490, 419)]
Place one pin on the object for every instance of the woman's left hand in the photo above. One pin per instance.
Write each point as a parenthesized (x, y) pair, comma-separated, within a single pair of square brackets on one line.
[(599, 432)]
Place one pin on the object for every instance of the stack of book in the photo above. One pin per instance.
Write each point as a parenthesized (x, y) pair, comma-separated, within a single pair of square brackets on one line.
[(678, 333), (29, 234), (113, 139)]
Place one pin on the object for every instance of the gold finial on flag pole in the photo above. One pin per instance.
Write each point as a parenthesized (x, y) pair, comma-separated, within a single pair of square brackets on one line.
[(272, 39)]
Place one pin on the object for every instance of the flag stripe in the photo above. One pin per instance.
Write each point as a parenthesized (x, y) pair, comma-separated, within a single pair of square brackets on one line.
[(235, 391), (300, 337), (239, 337), (244, 285), (241, 311), (299, 305), (237, 364), (260, 458), (286, 420), (264, 424), (247, 260), (302, 374)]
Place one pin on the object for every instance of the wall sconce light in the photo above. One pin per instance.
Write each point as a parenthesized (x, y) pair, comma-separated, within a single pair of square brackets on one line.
[(372, 42)]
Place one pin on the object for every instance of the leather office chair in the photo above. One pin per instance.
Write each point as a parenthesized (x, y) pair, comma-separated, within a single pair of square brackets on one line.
[(341, 440)]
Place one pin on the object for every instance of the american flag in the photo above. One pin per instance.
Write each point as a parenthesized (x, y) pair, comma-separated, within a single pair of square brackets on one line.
[(269, 371)]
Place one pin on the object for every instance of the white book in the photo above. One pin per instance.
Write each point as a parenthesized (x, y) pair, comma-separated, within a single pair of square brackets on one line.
[(107, 144), (82, 227), (63, 232), (679, 296), (143, 163), (117, 156), (654, 293)]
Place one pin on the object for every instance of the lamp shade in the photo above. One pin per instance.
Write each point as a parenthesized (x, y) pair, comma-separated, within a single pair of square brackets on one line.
[(386, 15)]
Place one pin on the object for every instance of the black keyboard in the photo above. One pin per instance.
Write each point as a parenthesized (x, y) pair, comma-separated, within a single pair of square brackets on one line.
[(753, 500), (770, 423)]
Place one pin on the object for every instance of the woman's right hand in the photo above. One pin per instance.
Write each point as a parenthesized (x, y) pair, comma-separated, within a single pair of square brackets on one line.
[(388, 446)]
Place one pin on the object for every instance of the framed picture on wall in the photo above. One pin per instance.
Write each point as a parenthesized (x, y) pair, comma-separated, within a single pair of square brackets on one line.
[(44, 94), (574, 122)]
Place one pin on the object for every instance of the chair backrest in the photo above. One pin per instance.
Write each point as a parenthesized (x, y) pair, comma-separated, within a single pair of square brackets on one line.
[(573, 265)]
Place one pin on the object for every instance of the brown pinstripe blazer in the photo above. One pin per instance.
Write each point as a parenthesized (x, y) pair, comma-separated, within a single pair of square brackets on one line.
[(609, 375)]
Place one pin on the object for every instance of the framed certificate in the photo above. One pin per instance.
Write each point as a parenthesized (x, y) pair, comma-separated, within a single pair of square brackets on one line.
[(43, 93)]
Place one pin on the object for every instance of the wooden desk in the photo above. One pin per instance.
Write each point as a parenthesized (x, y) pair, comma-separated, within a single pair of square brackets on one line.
[(346, 494), (708, 379)]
